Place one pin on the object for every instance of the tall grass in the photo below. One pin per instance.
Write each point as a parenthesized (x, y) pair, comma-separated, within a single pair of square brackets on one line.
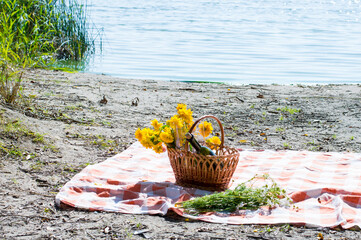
[(43, 27), (10, 80), (38, 33)]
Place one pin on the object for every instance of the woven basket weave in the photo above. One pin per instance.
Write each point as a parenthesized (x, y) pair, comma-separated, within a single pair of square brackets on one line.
[(211, 173)]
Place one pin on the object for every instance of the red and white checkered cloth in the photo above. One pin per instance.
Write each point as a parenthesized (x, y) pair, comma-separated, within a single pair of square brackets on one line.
[(326, 187)]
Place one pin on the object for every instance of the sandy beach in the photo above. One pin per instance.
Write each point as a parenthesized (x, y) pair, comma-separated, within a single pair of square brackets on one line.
[(86, 118)]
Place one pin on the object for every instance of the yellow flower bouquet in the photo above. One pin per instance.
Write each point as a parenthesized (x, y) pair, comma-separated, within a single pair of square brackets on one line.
[(172, 134)]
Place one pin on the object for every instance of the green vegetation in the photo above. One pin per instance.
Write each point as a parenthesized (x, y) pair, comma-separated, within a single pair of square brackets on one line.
[(38, 33), (14, 130), (99, 141), (58, 115), (11, 150), (77, 107), (44, 29), (289, 110), (9, 83), (242, 197), (286, 112), (279, 129), (104, 143), (311, 143), (287, 146)]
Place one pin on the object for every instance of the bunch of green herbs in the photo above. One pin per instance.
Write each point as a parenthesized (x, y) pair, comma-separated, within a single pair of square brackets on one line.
[(244, 196)]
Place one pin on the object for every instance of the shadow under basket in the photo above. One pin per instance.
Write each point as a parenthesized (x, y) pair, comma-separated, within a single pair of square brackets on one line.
[(212, 173)]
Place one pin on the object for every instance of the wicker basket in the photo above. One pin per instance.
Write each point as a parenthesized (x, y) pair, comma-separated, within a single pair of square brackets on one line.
[(211, 173)]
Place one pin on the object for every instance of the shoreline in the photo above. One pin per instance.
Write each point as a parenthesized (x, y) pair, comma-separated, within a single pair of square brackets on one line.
[(217, 82), (80, 129)]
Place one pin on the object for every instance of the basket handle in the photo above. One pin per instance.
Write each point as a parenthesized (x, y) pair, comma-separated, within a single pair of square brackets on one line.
[(200, 119)]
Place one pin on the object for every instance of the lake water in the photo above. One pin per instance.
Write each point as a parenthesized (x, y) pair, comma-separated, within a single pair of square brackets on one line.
[(233, 41)]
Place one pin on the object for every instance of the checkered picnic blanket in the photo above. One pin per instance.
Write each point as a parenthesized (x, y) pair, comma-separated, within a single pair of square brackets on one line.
[(325, 187)]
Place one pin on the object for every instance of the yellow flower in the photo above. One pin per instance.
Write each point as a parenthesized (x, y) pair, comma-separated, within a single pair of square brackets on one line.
[(175, 122), (146, 139), (166, 136), (171, 134), (181, 106), (147, 143), (205, 128), (186, 115), (156, 124), (214, 142), (147, 132), (158, 148), (139, 135)]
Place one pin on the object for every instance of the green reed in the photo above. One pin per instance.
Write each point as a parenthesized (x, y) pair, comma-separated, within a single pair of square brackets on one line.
[(52, 28), (38, 33)]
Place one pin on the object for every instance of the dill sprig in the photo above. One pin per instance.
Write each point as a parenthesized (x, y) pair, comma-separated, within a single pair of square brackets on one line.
[(244, 196)]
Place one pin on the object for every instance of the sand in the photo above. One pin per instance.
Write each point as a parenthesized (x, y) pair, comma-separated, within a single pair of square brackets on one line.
[(86, 118)]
